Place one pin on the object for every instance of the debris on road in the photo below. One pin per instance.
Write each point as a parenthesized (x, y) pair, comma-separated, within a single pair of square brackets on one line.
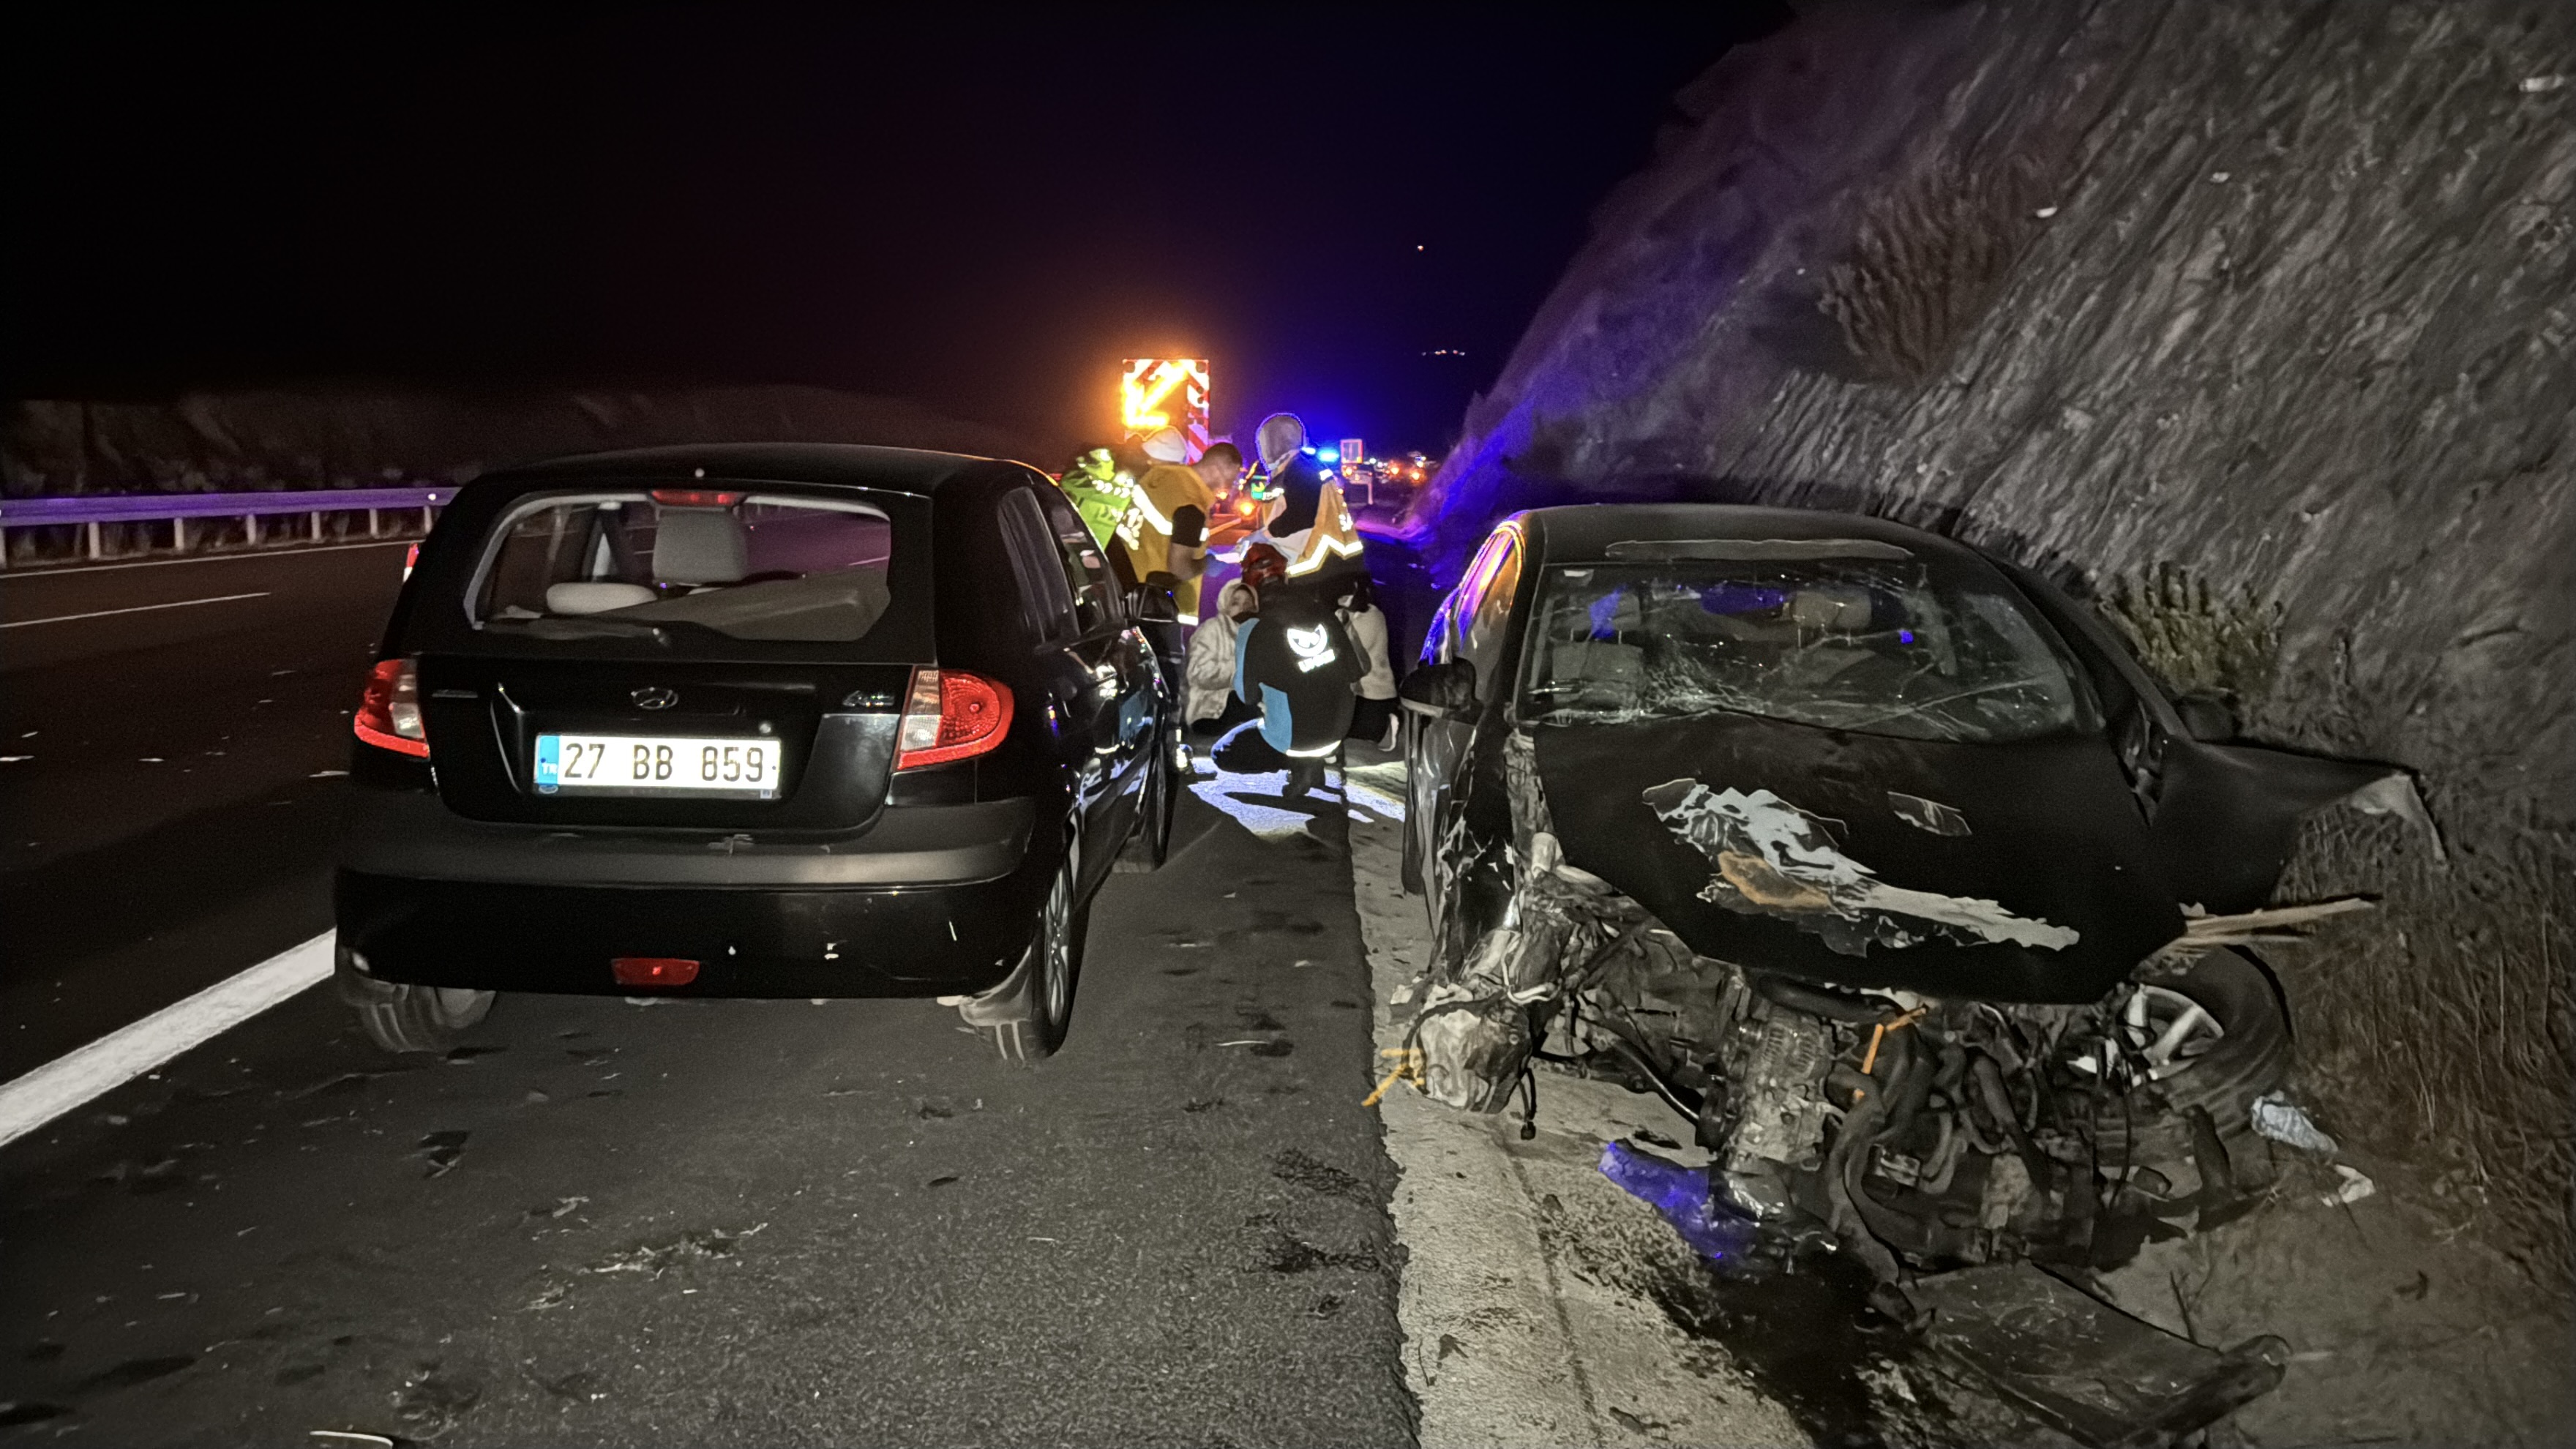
[(2083, 1367), (695, 1245), (441, 1150), (2355, 1186), (2282, 1120), (431, 1402)]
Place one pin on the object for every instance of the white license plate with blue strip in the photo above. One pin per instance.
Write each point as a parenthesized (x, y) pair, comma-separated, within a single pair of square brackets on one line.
[(657, 764)]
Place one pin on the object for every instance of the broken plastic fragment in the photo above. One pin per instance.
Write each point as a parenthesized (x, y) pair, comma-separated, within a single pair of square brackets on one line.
[(2353, 1188), (2395, 794), (1679, 1195), (1925, 814), (2282, 1120)]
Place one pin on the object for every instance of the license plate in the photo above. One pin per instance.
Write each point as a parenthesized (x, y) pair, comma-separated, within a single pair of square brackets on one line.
[(657, 764)]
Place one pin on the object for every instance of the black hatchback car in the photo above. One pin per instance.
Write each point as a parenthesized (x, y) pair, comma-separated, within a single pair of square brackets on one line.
[(772, 720)]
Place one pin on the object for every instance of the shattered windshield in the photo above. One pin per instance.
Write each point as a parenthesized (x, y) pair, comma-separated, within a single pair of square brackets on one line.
[(1880, 641)]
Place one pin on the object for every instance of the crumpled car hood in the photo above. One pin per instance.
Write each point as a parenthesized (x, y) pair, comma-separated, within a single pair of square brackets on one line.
[(2014, 872)]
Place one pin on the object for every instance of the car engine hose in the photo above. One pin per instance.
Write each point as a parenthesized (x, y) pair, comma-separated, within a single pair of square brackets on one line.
[(1944, 1161), (1990, 1086), (1684, 1102), (1843, 1165), (1817, 1000), (1911, 1088)]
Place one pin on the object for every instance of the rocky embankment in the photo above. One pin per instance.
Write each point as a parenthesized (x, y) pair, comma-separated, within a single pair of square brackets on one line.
[(2257, 323)]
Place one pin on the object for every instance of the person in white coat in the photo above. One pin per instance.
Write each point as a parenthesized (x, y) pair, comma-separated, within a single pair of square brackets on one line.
[(1207, 668), (1375, 717)]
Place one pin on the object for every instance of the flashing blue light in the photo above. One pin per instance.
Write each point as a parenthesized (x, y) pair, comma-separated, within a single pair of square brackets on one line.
[(1904, 636), (1328, 455), (1308, 450)]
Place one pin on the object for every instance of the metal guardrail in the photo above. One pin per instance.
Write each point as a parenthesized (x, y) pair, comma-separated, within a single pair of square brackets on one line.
[(88, 511)]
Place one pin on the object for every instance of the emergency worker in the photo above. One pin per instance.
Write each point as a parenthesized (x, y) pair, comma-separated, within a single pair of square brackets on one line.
[(1296, 663), (1097, 491), (1309, 522), (1164, 530)]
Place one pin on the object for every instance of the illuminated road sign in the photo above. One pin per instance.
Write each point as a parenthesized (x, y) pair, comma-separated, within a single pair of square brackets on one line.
[(1166, 392)]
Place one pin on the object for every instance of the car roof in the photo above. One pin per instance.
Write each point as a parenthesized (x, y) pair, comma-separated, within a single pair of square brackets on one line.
[(899, 470), (1584, 532)]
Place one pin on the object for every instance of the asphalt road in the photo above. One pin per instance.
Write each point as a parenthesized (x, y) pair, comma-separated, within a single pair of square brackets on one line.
[(170, 821), (703, 1222)]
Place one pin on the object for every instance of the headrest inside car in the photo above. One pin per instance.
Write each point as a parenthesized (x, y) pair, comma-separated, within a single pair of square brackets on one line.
[(1844, 610), (699, 546), (594, 598)]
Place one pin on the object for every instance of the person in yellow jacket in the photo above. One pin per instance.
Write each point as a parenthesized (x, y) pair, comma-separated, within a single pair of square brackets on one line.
[(1164, 530), (1307, 521)]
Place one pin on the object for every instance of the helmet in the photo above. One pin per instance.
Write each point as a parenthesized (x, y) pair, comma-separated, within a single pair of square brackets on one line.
[(1263, 566)]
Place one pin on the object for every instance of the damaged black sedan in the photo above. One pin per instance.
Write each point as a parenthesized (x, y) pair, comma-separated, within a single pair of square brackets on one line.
[(1879, 860)]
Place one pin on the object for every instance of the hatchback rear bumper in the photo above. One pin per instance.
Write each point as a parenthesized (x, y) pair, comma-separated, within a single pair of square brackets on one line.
[(931, 901), (412, 833), (936, 941)]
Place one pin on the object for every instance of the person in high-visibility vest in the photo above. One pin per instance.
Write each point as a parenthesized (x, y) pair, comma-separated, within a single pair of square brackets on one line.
[(1308, 522), (1098, 491), (1164, 529)]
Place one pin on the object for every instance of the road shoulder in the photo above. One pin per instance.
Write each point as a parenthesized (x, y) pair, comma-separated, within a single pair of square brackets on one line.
[(1512, 1334)]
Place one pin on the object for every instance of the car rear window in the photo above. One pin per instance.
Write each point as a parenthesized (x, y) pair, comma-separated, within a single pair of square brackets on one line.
[(1877, 640), (673, 565)]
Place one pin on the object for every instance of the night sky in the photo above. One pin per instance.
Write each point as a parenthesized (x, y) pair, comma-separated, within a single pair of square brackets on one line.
[(981, 212)]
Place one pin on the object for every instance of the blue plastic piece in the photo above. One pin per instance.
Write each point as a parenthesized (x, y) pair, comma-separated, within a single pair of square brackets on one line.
[(1679, 1195)]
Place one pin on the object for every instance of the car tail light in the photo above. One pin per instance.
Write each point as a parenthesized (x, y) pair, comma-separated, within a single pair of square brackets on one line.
[(389, 712), (951, 715), (411, 559), (653, 970), (695, 498)]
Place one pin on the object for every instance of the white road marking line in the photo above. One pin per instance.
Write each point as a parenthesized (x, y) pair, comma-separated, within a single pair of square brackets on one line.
[(128, 1052), (27, 574), (135, 609)]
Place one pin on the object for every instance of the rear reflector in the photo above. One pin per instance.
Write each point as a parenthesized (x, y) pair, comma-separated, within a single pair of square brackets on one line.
[(695, 498), (653, 970), (389, 712), (951, 715)]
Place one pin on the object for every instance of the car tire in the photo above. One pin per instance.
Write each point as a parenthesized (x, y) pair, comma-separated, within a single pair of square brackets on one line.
[(2252, 1056), (1150, 843), (1049, 970), (403, 1018)]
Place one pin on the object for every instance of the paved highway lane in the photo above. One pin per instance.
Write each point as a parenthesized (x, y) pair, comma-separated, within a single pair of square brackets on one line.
[(747, 1222), (169, 821)]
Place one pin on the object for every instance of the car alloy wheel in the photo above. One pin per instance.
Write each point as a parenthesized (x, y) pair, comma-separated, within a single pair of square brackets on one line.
[(402, 1018), (1150, 843), (1033, 1028)]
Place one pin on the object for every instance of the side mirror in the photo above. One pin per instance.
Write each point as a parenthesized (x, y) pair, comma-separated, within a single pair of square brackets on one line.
[(2206, 717), (1447, 690)]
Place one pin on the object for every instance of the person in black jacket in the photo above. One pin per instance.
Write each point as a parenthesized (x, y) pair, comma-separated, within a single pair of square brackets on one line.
[(1295, 662)]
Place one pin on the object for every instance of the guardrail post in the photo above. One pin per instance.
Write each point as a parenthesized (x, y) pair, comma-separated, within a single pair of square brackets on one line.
[(371, 523), (178, 535), (425, 519), (317, 525), (250, 526), (92, 528)]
